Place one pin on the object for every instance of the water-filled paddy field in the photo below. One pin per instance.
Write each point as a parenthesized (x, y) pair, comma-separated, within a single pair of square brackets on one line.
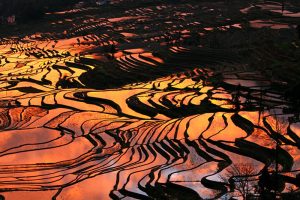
[(152, 100)]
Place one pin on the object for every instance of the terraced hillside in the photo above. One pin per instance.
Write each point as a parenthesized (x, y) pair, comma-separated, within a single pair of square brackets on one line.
[(152, 100)]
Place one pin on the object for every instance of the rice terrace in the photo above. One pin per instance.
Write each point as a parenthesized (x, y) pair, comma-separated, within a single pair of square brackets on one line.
[(149, 99)]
